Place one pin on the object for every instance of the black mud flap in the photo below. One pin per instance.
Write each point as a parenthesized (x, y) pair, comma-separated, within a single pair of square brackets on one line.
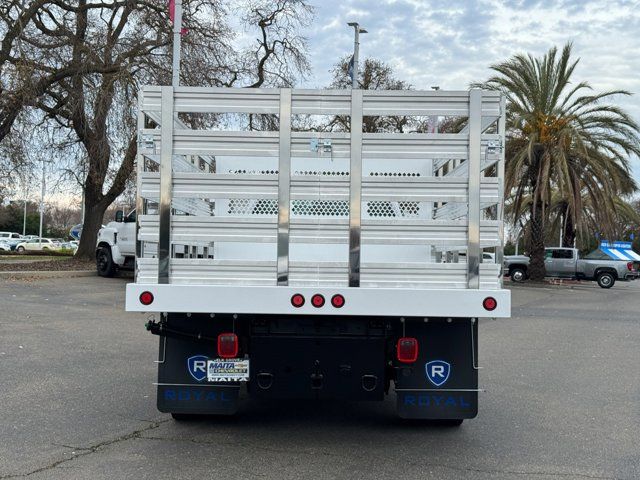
[(443, 382), (182, 380), (198, 399)]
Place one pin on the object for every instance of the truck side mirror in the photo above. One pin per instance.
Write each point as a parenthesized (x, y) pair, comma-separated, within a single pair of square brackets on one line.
[(119, 216)]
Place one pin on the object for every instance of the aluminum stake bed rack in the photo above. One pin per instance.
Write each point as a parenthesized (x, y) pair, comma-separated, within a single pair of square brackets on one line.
[(335, 267)]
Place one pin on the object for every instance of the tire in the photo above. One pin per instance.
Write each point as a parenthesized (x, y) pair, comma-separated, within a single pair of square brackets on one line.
[(606, 280), (184, 417), (453, 422), (434, 422), (104, 262), (439, 422), (518, 275), (20, 249)]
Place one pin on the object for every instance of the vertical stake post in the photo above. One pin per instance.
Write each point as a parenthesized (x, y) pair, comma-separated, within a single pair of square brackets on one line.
[(284, 186), (473, 245), (164, 207), (355, 188)]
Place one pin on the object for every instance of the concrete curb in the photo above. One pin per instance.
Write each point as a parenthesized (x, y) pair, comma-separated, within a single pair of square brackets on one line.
[(48, 274)]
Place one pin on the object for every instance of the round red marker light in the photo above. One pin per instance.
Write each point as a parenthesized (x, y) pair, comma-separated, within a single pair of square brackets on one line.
[(297, 300), (146, 298), (337, 301), (490, 304), (317, 300)]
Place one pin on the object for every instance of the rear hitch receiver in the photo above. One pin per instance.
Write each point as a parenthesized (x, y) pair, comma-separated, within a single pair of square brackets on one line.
[(369, 382), (316, 381), (265, 380)]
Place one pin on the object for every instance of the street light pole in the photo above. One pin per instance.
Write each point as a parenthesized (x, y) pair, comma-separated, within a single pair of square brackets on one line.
[(24, 217), (356, 51), (84, 179), (41, 204), (177, 34)]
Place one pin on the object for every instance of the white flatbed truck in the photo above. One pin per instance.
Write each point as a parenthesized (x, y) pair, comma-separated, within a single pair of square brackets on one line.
[(334, 270)]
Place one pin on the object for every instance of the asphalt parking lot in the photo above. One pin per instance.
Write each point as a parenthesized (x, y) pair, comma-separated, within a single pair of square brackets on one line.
[(562, 380)]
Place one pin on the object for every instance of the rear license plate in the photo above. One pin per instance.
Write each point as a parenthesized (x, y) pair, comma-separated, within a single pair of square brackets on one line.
[(228, 370)]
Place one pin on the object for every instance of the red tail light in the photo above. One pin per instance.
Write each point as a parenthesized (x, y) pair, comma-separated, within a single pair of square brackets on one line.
[(317, 300), (297, 300), (146, 298), (630, 266), (407, 349), (227, 345), (337, 301), (490, 304)]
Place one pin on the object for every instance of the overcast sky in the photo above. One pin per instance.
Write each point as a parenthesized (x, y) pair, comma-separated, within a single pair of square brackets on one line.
[(451, 44)]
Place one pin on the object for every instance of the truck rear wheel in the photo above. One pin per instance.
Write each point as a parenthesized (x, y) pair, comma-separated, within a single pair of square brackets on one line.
[(184, 417), (606, 280), (104, 262), (452, 422), (430, 422)]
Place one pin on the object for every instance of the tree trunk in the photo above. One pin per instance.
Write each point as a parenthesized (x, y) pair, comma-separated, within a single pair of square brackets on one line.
[(93, 216), (537, 269), (568, 231), (95, 202)]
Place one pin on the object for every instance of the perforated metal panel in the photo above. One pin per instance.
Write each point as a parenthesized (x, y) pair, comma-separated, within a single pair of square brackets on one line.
[(319, 208), (323, 208), (323, 173), (242, 207)]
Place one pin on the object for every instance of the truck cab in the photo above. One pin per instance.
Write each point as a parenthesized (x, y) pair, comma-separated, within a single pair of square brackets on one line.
[(561, 262), (116, 245)]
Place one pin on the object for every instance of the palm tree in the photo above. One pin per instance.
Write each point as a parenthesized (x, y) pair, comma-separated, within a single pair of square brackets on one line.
[(561, 138), (612, 224), (602, 208)]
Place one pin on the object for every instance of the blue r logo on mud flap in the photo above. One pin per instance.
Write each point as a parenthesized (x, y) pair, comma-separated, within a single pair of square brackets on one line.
[(438, 372), (197, 366)]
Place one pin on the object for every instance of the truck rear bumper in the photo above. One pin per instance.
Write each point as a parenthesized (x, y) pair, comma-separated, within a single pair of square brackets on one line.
[(357, 301), (305, 358)]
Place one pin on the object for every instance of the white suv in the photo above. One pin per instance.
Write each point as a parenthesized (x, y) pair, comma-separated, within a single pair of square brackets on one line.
[(11, 238), (38, 244)]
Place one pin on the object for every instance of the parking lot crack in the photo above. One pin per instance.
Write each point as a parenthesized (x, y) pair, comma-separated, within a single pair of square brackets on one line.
[(70, 447), (88, 450)]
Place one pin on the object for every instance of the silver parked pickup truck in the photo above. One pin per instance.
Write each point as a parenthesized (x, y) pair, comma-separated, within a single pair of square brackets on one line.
[(566, 263)]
